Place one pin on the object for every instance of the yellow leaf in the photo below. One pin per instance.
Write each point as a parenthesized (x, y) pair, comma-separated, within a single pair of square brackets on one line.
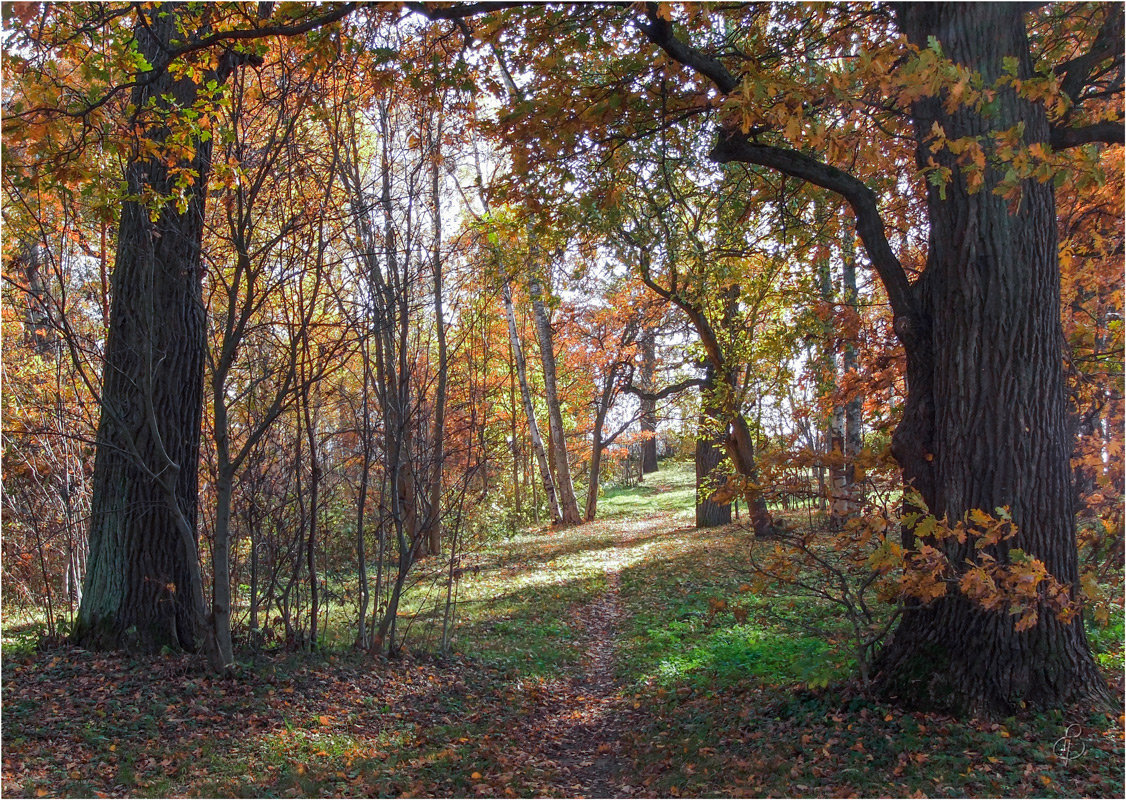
[(793, 128), (325, 720), (476, 776)]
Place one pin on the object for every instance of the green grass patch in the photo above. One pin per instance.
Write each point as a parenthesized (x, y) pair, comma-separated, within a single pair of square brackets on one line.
[(729, 694), (672, 489)]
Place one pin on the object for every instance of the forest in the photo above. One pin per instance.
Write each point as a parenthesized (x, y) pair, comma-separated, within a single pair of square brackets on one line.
[(505, 399)]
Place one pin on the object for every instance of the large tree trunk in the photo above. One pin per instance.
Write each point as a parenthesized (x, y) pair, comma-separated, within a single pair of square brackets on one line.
[(568, 505), (985, 423), (37, 318), (709, 455), (143, 586)]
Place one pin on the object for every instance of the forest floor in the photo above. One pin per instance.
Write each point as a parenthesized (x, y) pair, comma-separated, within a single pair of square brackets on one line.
[(621, 658)]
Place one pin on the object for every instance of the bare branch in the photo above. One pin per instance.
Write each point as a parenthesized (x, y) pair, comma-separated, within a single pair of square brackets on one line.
[(668, 391)]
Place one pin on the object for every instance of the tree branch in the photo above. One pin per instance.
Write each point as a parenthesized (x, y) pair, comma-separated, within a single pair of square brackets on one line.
[(226, 64), (337, 13), (1108, 43), (734, 146), (1108, 132), (672, 389), (458, 11), (659, 32)]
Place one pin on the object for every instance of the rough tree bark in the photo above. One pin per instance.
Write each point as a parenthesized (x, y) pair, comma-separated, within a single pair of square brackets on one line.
[(709, 454), (986, 422), (143, 586)]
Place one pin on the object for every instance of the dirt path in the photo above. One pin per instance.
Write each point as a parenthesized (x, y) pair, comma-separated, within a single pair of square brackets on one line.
[(576, 738)]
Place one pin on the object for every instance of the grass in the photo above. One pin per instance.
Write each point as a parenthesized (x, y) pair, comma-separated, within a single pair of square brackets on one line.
[(729, 694), (671, 490)]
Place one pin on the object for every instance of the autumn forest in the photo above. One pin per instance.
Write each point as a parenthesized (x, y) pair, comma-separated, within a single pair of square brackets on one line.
[(581, 399)]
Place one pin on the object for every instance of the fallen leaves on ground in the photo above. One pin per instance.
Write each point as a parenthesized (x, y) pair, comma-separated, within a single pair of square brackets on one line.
[(568, 700)]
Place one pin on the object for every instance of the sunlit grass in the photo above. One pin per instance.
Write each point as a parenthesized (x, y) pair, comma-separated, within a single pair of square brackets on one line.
[(672, 489), (724, 683)]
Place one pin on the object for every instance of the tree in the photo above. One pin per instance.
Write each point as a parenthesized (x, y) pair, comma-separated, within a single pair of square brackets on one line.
[(260, 161), (557, 439), (529, 410), (689, 254), (143, 583), (709, 455), (607, 337), (985, 423), (648, 407)]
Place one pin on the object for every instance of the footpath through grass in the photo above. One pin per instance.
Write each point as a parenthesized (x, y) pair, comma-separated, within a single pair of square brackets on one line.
[(704, 690)]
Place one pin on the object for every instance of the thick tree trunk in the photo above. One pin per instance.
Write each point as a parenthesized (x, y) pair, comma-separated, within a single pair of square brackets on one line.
[(568, 505), (709, 455), (985, 424), (529, 411), (143, 586), (37, 318), (741, 448)]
